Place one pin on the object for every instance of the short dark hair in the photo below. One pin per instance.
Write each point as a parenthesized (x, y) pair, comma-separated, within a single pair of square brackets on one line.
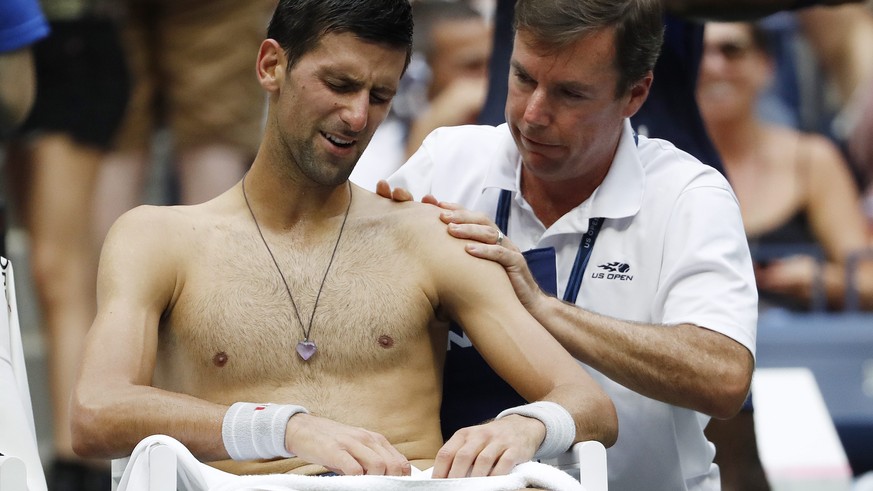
[(298, 25), (639, 29)]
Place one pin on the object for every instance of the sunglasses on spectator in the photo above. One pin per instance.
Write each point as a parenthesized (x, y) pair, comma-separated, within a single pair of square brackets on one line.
[(730, 50)]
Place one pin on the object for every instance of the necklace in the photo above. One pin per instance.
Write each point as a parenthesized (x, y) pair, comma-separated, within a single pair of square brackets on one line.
[(305, 348)]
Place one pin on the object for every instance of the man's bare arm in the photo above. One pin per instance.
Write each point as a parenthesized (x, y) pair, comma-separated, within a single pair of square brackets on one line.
[(113, 404), (479, 295)]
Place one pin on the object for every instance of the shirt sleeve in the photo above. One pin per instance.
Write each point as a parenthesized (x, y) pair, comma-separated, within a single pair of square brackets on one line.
[(416, 175), (707, 278)]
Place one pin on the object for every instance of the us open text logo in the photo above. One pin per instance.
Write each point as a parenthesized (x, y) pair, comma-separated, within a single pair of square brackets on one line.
[(616, 270)]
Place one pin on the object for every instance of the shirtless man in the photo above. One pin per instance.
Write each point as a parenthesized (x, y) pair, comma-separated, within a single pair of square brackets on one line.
[(201, 307)]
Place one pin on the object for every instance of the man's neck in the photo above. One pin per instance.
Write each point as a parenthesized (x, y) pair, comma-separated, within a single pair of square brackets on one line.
[(284, 201), (551, 200)]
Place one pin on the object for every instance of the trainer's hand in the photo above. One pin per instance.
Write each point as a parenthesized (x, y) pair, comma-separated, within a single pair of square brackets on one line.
[(343, 449), (384, 190), (491, 244), (490, 449)]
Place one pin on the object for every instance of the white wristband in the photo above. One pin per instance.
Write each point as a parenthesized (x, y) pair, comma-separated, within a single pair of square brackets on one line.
[(560, 427), (257, 431)]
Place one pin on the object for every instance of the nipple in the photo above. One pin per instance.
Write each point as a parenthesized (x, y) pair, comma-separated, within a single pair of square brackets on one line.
[(386, 341), (220, 359)]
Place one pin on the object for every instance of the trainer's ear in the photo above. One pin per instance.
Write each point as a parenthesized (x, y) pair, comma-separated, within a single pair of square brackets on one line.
[(638, 94), (271, 65)]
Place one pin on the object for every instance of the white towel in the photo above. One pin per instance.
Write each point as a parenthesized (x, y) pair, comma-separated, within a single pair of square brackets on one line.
[(193, 475)]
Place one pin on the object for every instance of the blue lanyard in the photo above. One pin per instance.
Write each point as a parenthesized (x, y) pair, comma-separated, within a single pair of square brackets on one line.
[(583, 254)]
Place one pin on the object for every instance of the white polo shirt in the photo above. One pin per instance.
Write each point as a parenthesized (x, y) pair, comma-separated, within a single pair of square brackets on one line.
[(672, 250)]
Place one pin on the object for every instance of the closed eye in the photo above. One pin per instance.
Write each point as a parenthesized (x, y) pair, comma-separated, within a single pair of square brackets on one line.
[(340, 87), (569, 94), (380, 99), (523, 78)]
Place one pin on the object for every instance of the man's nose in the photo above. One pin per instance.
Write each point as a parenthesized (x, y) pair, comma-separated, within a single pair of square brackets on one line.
[(537, 111), (356, 110)]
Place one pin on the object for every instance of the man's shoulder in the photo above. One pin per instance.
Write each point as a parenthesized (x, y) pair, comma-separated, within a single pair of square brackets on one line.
[(158, 217), (412, 224), (399, 215), (162, 227)]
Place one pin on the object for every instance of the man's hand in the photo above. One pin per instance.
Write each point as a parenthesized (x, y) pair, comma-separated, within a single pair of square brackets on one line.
[(343, 449), (384, 190), (490, 449)]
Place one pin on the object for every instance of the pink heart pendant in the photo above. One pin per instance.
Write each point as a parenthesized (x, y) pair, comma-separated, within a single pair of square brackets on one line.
[(306, 349)]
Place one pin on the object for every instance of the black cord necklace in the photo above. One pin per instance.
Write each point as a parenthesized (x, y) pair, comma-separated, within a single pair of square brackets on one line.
[(305, 348)]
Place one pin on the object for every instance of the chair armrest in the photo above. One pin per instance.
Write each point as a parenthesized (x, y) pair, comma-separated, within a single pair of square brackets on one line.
[(162, 469), (585, 460), (13, 474)]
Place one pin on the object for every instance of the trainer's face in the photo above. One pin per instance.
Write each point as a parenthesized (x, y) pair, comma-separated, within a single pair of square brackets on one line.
[(562, 107), (331, 102)]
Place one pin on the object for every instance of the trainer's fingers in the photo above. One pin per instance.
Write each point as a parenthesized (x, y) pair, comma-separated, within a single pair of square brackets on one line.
[(400, 194), (462, 215), (430, 199), (480, 233), (383, 189), (448, 205), (487, 235), (500, 254)]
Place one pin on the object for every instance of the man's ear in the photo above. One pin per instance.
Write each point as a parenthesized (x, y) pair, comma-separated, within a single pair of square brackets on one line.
[(271, 65), (638, 94)]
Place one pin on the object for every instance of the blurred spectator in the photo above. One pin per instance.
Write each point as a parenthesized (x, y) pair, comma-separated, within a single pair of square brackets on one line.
[(192, 73), (456, 43), (860, 147), (671, 112), (82, 89), (21, 24), (445, 84), (841, 39), (794, 188)]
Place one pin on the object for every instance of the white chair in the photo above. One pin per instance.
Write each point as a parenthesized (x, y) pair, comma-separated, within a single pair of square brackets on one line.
[(586, 460), (13, 474), (20, 467), (797, 440)]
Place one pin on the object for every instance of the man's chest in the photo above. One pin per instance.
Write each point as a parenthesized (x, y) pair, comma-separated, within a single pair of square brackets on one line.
[(242, 317)]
